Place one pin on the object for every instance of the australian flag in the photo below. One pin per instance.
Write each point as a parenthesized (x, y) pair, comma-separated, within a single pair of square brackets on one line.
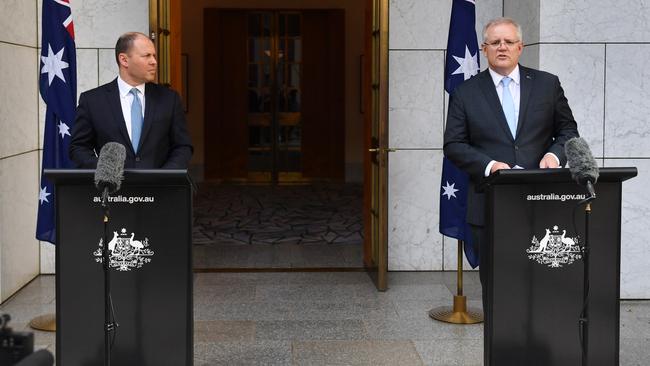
[(462, 63), (58, 87)]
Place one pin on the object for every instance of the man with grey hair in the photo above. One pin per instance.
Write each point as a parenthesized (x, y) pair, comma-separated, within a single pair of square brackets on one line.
[(146, 118), (508, 116)]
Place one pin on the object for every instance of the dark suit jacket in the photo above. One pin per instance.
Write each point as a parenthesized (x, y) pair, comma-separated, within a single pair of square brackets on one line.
[(477, 131), (164, 142)]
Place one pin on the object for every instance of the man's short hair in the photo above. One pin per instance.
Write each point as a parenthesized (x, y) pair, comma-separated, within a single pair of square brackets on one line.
[(125, 42), (502, 20)]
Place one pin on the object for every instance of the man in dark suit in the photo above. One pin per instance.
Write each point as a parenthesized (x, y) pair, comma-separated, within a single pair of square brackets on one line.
[(507, 116), (146, 118)]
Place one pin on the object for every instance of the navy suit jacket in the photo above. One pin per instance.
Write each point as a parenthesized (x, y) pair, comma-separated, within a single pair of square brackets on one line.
[(477, 131), (164, 142)]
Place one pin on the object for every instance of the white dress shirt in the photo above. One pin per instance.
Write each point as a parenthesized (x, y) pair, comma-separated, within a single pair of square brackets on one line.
[(126, 99)]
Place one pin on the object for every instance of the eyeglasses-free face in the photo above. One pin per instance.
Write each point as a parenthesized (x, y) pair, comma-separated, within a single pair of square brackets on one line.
[(502, 48)]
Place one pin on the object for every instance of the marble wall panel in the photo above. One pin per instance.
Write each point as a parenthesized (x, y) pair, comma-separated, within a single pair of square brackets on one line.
[(87, 70), (635, 262), (595, 21), (627, 111), (486, 10), (530, 56), (48, 258), (18, 205), (419, 24), (107, 66), (98, 23), (581, 69), (526, 13), (414, 243), (450, 254), (19, 106), (19, 32), (416, 99)]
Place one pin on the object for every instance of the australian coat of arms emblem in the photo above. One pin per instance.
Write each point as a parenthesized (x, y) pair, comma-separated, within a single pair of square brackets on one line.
[(125, 252), (555, 249)]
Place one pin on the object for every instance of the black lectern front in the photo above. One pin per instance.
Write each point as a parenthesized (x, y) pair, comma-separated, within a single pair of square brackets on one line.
[(151, 271), (535, 276)]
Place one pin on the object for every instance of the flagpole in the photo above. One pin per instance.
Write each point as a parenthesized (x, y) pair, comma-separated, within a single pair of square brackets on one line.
[(459, 313)]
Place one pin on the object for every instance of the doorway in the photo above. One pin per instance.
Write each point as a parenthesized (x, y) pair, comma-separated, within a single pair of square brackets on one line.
[(274, 111), (219, 95)]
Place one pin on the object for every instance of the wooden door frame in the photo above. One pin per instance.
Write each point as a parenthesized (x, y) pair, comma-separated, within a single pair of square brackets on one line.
[(376, 24), (165, 30)]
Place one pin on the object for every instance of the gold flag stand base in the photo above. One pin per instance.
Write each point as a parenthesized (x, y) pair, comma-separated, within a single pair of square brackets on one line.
[(459, 314), (45, 323)]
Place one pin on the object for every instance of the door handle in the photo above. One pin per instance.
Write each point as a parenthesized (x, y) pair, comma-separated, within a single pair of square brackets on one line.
[(390, 149)]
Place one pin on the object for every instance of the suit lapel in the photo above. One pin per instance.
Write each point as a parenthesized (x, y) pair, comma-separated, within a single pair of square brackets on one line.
[(113, 96), (490, 92), (526, 85), (149, 109)]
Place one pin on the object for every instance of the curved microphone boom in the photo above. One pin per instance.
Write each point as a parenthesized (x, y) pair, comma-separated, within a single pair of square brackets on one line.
[(582, 165), (110, 168)]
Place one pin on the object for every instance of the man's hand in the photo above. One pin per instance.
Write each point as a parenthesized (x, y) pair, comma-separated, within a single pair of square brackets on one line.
[(498, 166), (548, 161)]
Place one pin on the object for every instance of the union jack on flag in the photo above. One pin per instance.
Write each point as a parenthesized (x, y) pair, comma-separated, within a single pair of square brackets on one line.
[(58, 88)]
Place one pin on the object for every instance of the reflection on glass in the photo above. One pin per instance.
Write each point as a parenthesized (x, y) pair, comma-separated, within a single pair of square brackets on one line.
[(294, 79), (293, 28), (294, 50), (253, 77), (290, 136), (294, 101), (267, 24), (274, 78), (259, 136)]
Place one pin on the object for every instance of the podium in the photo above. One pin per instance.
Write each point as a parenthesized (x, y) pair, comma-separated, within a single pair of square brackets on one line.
[(536, 232), (151, 268)]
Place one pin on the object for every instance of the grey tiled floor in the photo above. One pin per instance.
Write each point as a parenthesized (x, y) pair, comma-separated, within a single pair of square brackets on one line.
[(333, 318)]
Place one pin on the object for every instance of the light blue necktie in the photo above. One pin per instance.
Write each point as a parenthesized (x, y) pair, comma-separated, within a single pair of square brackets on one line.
[(136, 119), (508, 106)]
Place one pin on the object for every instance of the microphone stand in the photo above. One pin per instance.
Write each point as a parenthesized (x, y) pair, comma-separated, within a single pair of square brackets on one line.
[(109, 326), (583, 321)]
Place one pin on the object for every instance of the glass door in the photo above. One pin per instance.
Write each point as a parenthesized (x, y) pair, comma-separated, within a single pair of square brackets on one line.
[(274, 102)]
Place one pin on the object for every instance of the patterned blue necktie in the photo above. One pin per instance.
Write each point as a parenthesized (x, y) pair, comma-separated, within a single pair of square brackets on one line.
[(508, 106), (136, 119)]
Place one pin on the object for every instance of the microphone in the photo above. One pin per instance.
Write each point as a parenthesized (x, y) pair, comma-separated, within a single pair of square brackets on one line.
[(110, 169), (582, 165)]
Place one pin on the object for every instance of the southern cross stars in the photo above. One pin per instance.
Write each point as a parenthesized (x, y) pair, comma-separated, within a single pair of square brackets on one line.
[(42, 196), (449, 190), (53, 65), (468, 65), (63, 129)]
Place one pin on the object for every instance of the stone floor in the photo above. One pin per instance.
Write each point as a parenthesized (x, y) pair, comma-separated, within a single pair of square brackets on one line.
[(263, 226), (332, 318)]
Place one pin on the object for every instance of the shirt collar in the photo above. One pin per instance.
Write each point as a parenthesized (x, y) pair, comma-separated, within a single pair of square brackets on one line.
[(125, 88), (496, 77)]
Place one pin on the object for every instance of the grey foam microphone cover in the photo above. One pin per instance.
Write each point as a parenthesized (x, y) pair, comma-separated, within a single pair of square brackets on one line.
[(110, 167), (582, 164)]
